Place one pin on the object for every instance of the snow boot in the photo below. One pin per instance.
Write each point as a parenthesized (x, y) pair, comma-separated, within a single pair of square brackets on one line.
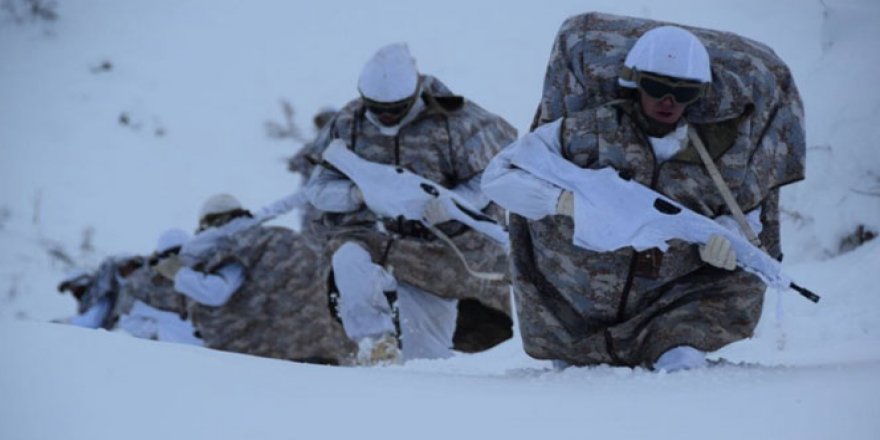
[(382, 350)]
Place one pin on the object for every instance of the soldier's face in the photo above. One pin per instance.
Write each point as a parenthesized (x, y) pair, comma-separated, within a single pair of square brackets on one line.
[(390, 113), (665, 109)]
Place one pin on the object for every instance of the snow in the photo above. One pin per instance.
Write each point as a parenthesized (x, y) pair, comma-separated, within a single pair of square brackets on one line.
[(198, 80), (147, 390)]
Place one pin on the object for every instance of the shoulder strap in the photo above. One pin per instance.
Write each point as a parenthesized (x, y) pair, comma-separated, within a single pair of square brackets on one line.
[(358, 115), (729, 200)]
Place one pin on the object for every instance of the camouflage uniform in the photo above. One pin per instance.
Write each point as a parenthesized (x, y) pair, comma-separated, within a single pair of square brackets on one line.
[(627, 307), (449, 142), (108, 283), (309, 155), (281, 310), (151, 288), (302, 163)]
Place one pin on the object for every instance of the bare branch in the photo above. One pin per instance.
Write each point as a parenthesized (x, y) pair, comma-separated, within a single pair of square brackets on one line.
[(88, 235), (287, 129), (30, 10), (38, 207), (796, 216), (860, 236), (871, 193), (56, 252), (5, 214)]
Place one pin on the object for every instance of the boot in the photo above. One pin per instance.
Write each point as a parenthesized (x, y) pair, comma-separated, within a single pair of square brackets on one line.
[(381, 350)]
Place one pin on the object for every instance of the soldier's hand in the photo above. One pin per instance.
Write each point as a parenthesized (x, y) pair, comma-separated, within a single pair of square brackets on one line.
[(356, 195), (169, 266), (565, 204), (435, 213), (719, 253)]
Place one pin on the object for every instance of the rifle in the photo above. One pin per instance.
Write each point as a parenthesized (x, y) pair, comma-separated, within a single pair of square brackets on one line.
[(197, 247), (611, 212), (392, 192)]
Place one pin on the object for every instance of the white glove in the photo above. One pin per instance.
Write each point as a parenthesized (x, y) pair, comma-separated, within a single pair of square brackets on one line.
[(169, 267), (356, 195), (719, 253), (565, 204), (435, 213)]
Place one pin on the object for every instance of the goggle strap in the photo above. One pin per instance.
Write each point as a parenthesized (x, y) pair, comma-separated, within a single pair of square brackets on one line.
[(667, 82)]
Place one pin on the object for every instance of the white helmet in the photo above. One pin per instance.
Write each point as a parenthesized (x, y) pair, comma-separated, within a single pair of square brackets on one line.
[(218, 204), (390, 75), (670, 51), (171, 239)]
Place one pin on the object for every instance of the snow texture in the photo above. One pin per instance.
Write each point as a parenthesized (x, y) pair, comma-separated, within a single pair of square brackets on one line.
[(120, 118)]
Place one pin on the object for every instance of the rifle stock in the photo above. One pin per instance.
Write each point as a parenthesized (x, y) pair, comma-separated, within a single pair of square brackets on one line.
[(394, 192), (611, 213), (201, 244)]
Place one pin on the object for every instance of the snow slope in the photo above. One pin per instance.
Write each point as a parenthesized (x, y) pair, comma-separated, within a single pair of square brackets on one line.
[(197, 80), (143, 390)]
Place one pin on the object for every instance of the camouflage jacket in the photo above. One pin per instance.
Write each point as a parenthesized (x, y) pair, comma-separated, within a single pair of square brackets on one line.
[(450, 142), (281, 310), (107, 283), (302, 163), (752, 93), (151, 288), (628, 308)]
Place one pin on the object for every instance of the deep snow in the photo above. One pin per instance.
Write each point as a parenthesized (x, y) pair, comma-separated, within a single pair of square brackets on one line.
[(198, 80)]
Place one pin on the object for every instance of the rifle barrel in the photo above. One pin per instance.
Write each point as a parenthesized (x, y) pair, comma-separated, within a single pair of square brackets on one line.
[(805, 293)]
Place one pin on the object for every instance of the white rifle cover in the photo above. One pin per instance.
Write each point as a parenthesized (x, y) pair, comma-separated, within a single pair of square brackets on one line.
[(392, 191), (611, 213)]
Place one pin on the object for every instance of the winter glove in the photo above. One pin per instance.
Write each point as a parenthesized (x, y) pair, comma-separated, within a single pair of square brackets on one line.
[(169, 267), (435, 213), (719, 253), (565, 204), (356, 195)]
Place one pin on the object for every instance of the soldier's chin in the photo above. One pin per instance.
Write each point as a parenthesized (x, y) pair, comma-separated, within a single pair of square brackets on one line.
[(665, 117), (389, 122)]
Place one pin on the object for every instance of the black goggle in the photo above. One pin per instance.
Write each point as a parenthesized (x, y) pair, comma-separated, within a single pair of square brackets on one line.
[(658, 87), (219, 219), (392, 109)]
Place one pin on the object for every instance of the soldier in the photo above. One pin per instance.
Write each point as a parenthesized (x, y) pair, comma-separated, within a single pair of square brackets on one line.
[(394, 277), (257, 291), (149, 307), (653, 309), (77, 283), (148, 285), (97, 294), (306, 158), (302, 163)]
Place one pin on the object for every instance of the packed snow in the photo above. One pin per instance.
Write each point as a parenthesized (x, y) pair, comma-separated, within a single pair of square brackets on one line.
[(120, 118)]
